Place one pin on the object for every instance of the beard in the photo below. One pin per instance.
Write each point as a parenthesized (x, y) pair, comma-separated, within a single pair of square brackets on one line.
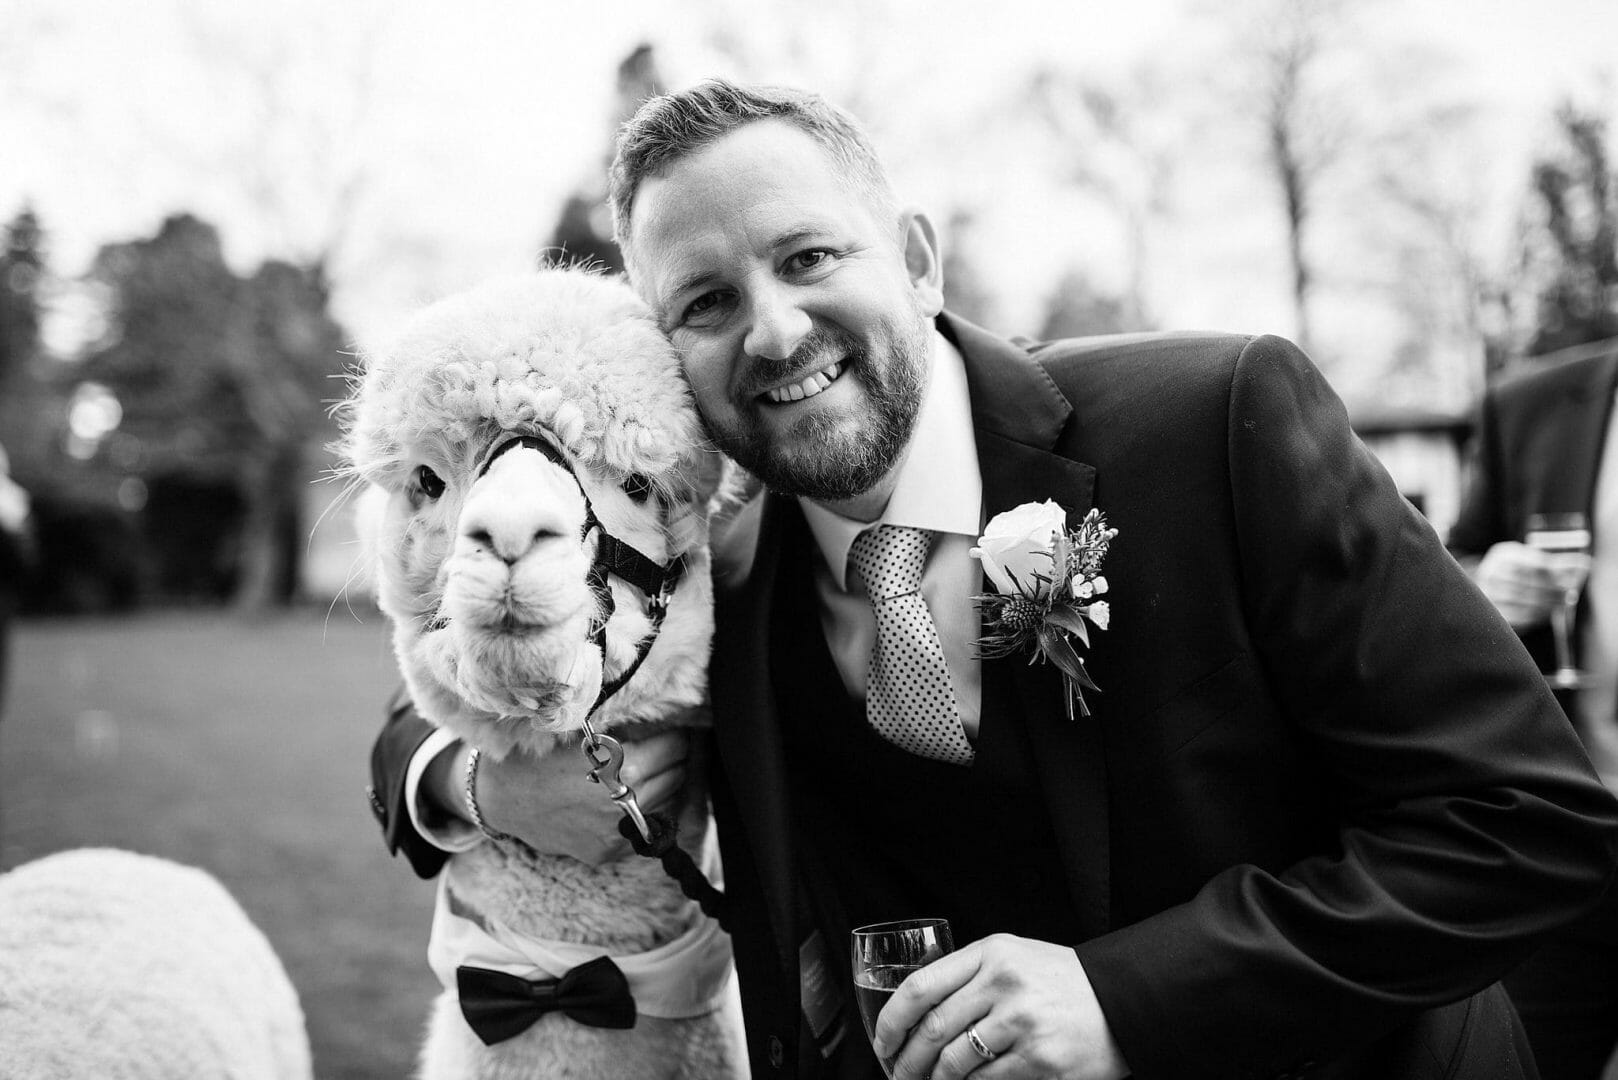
[(830, 456)]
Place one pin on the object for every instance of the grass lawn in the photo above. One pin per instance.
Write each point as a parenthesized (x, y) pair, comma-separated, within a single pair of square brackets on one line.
[(242, 747)]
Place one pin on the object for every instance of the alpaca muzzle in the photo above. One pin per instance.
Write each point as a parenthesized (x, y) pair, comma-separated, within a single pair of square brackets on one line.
[(613, 558)]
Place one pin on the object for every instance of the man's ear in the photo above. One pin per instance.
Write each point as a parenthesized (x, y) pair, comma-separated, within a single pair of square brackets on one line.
[(923, 263)]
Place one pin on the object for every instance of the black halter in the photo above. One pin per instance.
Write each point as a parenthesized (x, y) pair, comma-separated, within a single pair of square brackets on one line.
[(613, 557), (653, 835)]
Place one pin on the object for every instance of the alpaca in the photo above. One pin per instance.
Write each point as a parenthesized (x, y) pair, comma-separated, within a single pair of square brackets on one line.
[(129, 967), (505, 435)]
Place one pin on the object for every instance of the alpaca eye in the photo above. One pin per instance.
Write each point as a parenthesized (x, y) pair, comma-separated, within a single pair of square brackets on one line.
[(431, 486), (637, 487)]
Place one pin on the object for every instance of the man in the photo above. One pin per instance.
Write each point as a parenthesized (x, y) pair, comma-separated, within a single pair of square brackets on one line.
[(1544, 443), (1322, 799)]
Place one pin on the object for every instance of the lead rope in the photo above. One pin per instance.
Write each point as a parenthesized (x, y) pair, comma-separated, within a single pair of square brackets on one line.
[(653, 835)]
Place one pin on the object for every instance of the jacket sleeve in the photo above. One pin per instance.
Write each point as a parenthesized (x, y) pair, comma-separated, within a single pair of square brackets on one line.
[(1469, 820), (403, 732)]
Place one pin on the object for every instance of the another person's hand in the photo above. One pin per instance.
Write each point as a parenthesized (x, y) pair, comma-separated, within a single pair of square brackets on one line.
[(1029, 1002), (550, 803), (1524, 583)]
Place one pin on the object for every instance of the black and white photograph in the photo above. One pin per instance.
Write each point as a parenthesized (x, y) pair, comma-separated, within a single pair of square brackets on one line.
[(846, 540)]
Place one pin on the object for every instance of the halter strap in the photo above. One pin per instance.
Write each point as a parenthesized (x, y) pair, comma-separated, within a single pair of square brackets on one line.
[(613, 557), (532, 442)]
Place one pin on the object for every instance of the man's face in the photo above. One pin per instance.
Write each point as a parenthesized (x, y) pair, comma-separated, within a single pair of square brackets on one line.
[(802, 318)]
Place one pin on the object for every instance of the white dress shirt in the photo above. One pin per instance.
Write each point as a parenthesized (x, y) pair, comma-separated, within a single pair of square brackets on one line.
[(939, 488)]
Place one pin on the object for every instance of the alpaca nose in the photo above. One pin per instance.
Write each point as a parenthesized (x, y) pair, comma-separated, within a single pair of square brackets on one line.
[(519, 505)]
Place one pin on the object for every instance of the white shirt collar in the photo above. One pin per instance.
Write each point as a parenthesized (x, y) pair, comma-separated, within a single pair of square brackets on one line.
[(939, 486)]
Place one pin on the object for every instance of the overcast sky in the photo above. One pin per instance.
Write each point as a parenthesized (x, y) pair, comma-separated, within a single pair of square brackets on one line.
[(460, 128)]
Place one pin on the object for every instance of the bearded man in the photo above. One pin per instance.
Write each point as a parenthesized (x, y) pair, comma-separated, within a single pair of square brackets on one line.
[(1321, 802)]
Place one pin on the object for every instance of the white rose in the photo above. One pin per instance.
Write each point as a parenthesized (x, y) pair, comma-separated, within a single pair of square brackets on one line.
[(1100, 613), (1018, 544)]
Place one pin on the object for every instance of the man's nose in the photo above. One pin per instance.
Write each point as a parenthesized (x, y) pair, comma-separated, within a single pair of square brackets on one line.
[(776, 325)]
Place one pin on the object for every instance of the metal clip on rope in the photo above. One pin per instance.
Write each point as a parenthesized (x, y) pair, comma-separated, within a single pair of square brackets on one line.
[(606, 757)]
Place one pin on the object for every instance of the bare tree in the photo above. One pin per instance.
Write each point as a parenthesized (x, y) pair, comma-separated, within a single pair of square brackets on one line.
[(294, 158), (1284, 65), (1576, 248), (1304, 130), (1437, 212), (1107, 154), (294, 163)]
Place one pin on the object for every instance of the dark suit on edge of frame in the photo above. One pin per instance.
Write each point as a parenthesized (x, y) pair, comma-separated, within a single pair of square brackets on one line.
[(1230, 737), (1538, 449)]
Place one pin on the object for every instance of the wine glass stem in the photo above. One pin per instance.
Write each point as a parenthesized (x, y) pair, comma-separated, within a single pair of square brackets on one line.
[(1561, 624)]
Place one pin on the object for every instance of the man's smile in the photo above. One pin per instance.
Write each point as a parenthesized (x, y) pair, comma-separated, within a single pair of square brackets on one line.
[(807, 387)]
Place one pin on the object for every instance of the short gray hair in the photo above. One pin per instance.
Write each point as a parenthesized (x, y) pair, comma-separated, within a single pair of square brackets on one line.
[(671, 127)]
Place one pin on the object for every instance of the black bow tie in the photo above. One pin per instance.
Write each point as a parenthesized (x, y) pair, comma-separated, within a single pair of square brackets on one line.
[(499, 1006)]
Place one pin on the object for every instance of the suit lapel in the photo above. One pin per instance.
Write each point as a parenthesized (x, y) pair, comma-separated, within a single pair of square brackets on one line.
[(1018, 415), (750, 730)]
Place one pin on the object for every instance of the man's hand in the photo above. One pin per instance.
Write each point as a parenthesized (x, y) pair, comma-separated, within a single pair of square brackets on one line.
[(1525, 583), (550, 803), (1030, 1003)]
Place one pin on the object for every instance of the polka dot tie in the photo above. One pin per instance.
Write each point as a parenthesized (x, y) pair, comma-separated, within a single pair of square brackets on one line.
[(908, 697)]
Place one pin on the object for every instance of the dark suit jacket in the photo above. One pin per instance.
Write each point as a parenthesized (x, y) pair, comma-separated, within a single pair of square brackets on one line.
[(1323, 792), (1323, 788), (1537, 450)]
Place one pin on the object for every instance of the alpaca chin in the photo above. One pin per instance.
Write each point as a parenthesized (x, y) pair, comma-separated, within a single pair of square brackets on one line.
[(479, 684), (523, 669)]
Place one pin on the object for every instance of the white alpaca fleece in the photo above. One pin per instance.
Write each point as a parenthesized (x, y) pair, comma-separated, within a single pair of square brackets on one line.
[(576, 358), (484, 546), (122, 966), (576, 354)]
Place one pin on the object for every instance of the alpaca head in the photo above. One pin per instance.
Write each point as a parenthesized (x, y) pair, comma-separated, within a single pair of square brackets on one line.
[(504, 433)]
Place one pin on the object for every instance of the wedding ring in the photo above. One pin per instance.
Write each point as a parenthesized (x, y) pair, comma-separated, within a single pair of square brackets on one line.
[(978, 1045)]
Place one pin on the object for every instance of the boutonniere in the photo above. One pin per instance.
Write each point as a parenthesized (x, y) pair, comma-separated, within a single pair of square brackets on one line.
[(1046, 578)]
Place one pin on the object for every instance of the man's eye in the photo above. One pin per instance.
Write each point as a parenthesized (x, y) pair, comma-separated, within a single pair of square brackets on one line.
[(702, 305), (808, 260), (428, 481)]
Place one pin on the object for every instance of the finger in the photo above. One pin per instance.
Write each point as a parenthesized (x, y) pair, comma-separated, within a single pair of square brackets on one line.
[(661, 791), (1512, 560), (655, 754), (1514, 578), (919, 994), (960, 1058), (656, 769), (1518, 597), (941, 1032)]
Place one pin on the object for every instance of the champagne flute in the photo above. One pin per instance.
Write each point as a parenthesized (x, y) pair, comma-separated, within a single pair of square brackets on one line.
[(884, 954), (1566, 537)]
